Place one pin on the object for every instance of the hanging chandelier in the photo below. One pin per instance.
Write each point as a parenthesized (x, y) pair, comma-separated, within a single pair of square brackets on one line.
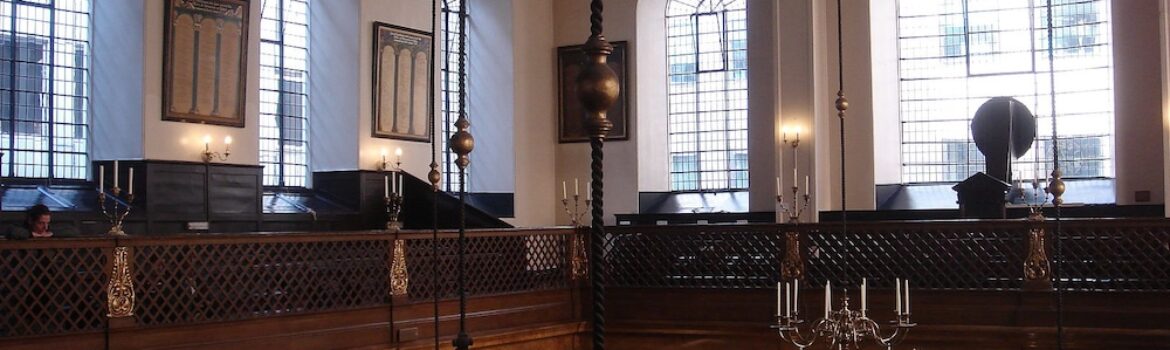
[(841, 326)]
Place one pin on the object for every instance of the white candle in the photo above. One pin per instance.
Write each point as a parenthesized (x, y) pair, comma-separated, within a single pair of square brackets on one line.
[(779, 302), (115, 173), (794, 174), (131, 183), (787, 300), (828, 296), (385, 186), (564, 191), (806, 185), (778, 186), (795, 296), (907, 297), (863, 301), (588, 191), (401, 181), (101, 178), (576, 188), (898, 296)]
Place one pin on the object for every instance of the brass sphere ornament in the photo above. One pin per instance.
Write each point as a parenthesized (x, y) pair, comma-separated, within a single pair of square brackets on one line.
[(1056, 188), (842, 103)]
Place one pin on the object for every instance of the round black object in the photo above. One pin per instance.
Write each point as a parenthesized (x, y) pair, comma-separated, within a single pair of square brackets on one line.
[(998, 121)]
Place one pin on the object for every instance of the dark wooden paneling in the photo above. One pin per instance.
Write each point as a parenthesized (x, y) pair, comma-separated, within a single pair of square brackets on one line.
[(739, 319), (174, 192), (235, 193)]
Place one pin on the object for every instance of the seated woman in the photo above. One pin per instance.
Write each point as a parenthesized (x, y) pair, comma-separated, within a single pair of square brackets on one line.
[(36, 224)]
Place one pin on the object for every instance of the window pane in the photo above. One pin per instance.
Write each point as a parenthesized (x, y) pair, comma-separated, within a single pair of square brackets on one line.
[(452, 51), (284, 93), (706, 44), (44, 88), (954, 55)]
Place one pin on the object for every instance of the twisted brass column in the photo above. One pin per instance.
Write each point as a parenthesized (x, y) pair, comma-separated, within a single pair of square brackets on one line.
[(598, 89)]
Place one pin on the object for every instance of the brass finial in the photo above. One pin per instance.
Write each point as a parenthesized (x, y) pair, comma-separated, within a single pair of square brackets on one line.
[(597, 86), (1056, 187), (434, 176)]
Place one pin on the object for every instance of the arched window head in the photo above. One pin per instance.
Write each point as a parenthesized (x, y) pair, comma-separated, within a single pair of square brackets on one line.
[(706, 54)]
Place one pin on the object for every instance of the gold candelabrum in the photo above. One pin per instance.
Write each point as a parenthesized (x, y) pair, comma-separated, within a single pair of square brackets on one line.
[(1037, 268), (798, 203), (120, 205), (393, 198), (844, 328), (578, 255)]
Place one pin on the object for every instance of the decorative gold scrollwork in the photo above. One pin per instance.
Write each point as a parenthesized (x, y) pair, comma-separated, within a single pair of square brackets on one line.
[(1036, 267), (399, 276), (120, 292), (579, 260), (792, 267)]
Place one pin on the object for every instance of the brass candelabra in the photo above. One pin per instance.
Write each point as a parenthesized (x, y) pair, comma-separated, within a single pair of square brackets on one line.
[(798, 203), (121, 205), (579, 260), (844, 328), (393, 199)]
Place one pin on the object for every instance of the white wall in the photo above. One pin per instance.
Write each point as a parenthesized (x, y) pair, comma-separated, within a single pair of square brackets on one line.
[(167, 140), (1164, 30), (651, 103), (335, 76), (887, 147), (491, 89), (117, 92), (535, 108), (1136, 83)]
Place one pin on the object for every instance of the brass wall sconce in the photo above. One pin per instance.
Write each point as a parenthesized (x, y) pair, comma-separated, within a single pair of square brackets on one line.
[(384, 165), (208, 155)]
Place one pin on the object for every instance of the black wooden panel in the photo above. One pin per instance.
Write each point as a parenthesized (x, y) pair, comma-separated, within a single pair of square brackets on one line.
[(174, 191), (235, 193)]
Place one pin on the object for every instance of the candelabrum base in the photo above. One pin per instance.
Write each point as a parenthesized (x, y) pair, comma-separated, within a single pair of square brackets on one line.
[(116, 230), (393, 226)]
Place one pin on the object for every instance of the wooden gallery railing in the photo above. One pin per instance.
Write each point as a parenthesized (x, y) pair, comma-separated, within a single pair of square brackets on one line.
[(320, 290), (970, 274)]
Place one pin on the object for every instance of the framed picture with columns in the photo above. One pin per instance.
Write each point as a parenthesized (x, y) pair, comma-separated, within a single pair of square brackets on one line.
[(402, 83), (205, 61)]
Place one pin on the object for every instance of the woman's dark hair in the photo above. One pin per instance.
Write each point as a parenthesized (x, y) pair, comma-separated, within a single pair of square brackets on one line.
[(35, 212)]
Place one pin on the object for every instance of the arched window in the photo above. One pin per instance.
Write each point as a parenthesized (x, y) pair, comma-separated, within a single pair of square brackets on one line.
[(706, 52), (954, 55), (452, 38), (284, 92), (44, 88)]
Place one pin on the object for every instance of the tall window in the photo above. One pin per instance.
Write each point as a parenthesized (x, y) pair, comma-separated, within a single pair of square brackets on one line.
[(284, 97), (44, 88), (956, 54), (452, 37), (706, 52)]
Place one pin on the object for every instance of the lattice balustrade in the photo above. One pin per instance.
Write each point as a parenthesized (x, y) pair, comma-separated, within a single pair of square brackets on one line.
[(495, 264), (948, 257), (694, 257), (52, 290), (190, 283), (988, 255), (1116, 258)]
